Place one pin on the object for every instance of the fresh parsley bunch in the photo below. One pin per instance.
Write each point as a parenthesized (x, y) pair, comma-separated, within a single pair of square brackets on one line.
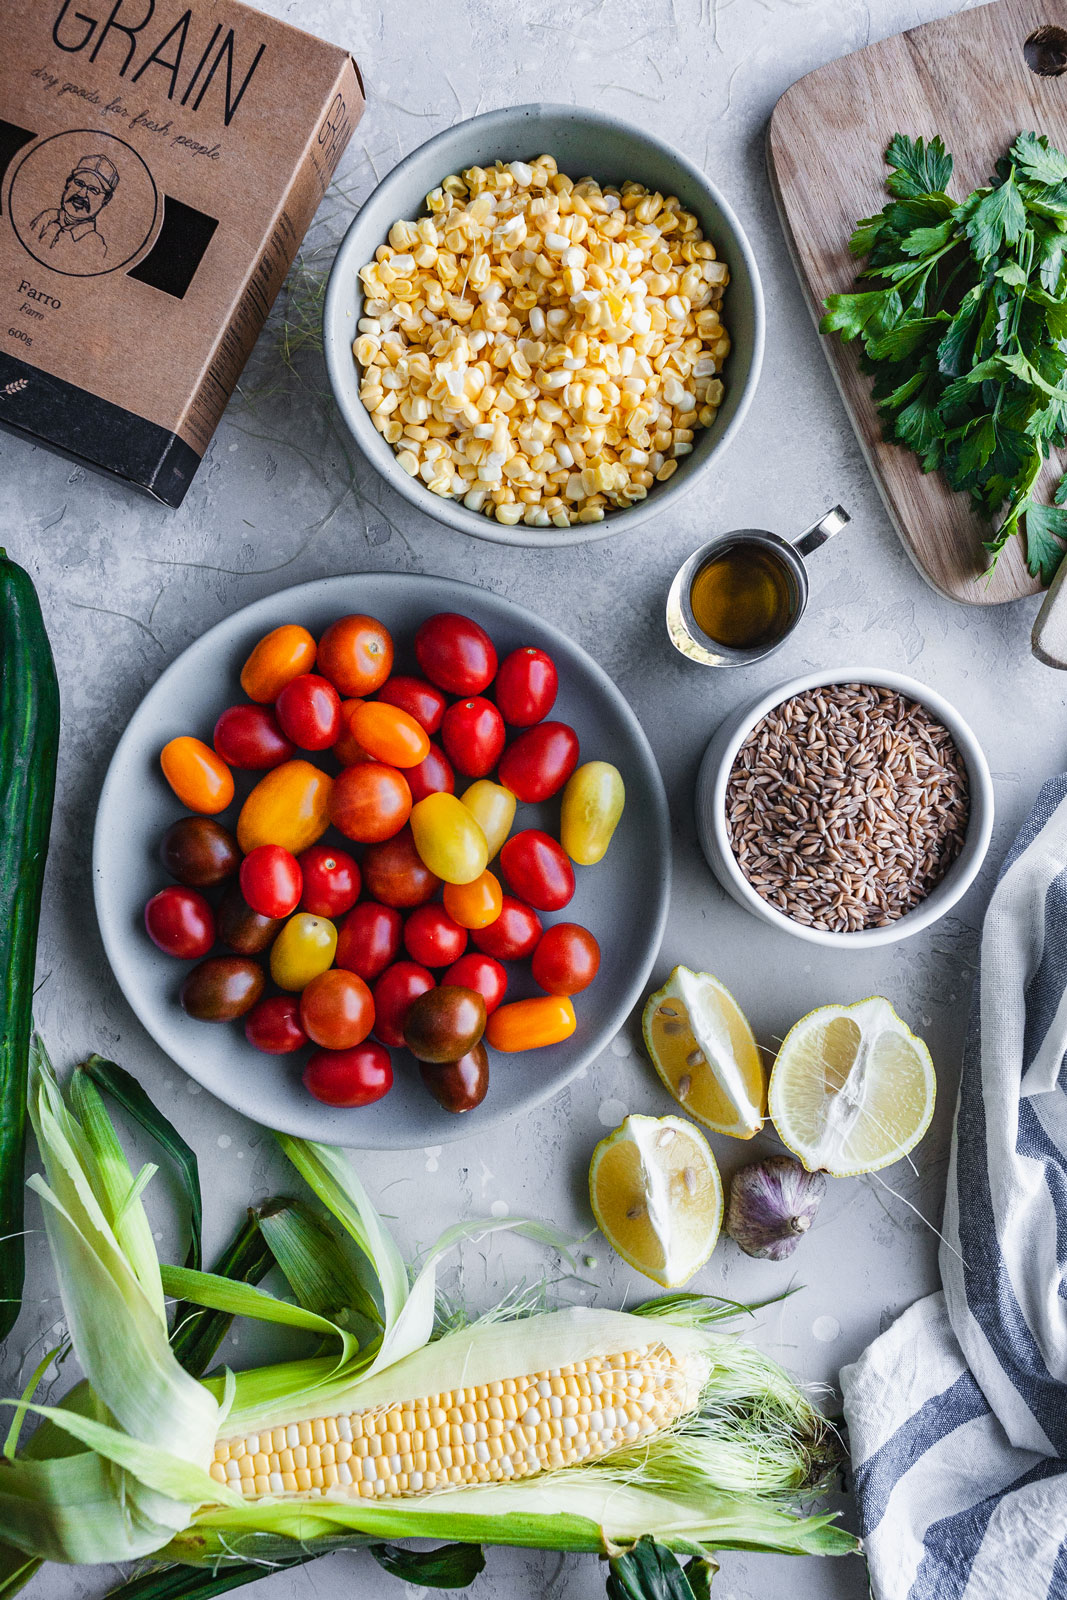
[(966, 333)]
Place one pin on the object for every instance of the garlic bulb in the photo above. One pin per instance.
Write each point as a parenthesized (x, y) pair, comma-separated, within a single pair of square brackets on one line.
[(772, 1204)]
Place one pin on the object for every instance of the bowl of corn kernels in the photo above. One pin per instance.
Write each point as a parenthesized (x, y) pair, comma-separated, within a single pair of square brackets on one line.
[(543, 326)]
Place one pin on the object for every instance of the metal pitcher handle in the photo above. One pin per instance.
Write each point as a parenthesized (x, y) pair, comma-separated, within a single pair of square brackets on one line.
[(822, 530)]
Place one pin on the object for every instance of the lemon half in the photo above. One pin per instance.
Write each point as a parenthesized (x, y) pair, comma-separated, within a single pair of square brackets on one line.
[(703, 1048), (657, 1197)]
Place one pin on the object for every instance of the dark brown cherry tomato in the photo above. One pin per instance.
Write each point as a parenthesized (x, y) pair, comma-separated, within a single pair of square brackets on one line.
[(348, 1078), (537, 868), (481, 973), (394, 994), (199, 852), (394, 872), (370, 802), (356, 654), (567, 959), (271, 880), (331, 881), (514, 934), (473, 736), (418, 698), (243, 929), (432, 776), (249, 737), (368, 940), (336, 1010), (444, 1024), (346, 747), (222, 988), (538, 763), (181, 923), (273, 1026), (526, 687), (309, 711), (432, 938), (455, 653), (458, 1085)]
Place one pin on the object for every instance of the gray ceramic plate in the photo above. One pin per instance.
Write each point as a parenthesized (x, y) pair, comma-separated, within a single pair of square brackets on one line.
[(623, 900)]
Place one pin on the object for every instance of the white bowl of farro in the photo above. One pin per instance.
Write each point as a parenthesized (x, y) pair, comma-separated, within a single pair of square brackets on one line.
[(850, 807)]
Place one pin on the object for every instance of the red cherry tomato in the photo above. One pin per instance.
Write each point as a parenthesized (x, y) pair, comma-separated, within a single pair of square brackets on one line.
[(271, 880), (432, 938), (394, 993), (347, 748), (355, 1077), (514, 934), (331, 881), (455, 653), (473, 736), (309, 711), (432, 776), (538, 763), (370, 802), (273, 1026), (538, 869), (526, 687), (395, 874), (418, 698), (482, 974), (336, 1009), (368, 940), (567, 959), (180, 922), (249, 737), (356, 654)]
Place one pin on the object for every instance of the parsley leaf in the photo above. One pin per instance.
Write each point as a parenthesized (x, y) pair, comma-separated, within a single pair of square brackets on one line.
[(997, 220), (919, 168)]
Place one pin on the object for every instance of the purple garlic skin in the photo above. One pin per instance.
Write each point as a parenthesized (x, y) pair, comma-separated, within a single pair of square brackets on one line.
[(772, 1205)]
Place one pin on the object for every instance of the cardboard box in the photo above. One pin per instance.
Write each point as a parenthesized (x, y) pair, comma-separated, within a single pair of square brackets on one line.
[(160, 161)]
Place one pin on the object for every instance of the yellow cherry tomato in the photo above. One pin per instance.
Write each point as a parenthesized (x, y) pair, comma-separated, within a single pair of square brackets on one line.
[(494, 808), (592, 805), (289, 806), (280, 656), (531, 1024), (304, 948), (449, 839), (201, 779), (475, 904)]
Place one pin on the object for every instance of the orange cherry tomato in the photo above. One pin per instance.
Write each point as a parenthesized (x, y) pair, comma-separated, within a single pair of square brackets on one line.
[(347, 747), (531, 1024), (201, 779), (278, 658), (356, 654), (474, 905), (370, 802), (289, 807), (389, 734)]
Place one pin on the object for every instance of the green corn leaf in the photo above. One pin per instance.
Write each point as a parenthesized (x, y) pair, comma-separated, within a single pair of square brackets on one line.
[(647, 1572), (997, 220), (197, 1331), (190, 1583), (323, 1274), (920, 168), (450, 1566), (244, 1300), (700, 1571)]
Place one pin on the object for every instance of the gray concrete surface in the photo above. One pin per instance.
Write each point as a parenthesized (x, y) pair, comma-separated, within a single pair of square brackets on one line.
[(126, 586)]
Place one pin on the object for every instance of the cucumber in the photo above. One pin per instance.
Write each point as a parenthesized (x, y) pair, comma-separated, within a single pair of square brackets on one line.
[(29, 743)]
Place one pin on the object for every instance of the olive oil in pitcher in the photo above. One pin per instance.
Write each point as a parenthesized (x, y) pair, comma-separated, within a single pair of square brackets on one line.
[(742, 596)]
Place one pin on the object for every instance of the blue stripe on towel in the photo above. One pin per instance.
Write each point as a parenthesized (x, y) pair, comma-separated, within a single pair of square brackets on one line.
[(1052, 793), (1035, 1142), (942, 1414), (952, 1544), (1045, 989), (1057, 1587)]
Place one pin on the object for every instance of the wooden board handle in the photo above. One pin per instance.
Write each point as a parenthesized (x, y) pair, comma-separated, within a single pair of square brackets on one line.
[(1049, 637)]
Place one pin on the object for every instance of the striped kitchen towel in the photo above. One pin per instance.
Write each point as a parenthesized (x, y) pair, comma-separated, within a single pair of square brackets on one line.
[(957, 1415)]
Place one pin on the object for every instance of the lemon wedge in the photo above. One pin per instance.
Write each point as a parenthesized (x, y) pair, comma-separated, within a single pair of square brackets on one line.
[(852, 1089), (657, 1197), (702, 1047)]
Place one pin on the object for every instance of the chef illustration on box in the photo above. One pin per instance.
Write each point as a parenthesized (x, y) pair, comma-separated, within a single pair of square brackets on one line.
[(69, 232)]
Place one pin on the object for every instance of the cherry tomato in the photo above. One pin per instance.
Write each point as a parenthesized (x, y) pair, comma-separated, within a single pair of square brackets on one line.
[(331, 881), (395, 874), (199, 852), (356, 654), (537, 869), (514, 934), (304, 948), (349, 1077), (538, 763), (494, 808), (474, 905), (458, 1085), (418, 698), (370, 802), (368, 940), (567, 959), (273, 1026), (249, 737), (592, 805), (448, 838), (181, 923), (432, 938), (278, 657), (222, 988), (531, 1024), (243, 929), (526, 687), (347, 748), (336, 1010), (432, 776), (481, 973), (271, 880), (455, 653), (389, 734), (309, 711), (394, 993), (444, 1024), (290, 807), (201, 779), (473, 735)]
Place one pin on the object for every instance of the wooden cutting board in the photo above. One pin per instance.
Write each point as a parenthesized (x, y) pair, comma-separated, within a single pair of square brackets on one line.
[(968, 79)]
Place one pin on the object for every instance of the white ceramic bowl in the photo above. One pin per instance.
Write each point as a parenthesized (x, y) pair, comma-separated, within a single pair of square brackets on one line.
[(718, 763), (584, 143)]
